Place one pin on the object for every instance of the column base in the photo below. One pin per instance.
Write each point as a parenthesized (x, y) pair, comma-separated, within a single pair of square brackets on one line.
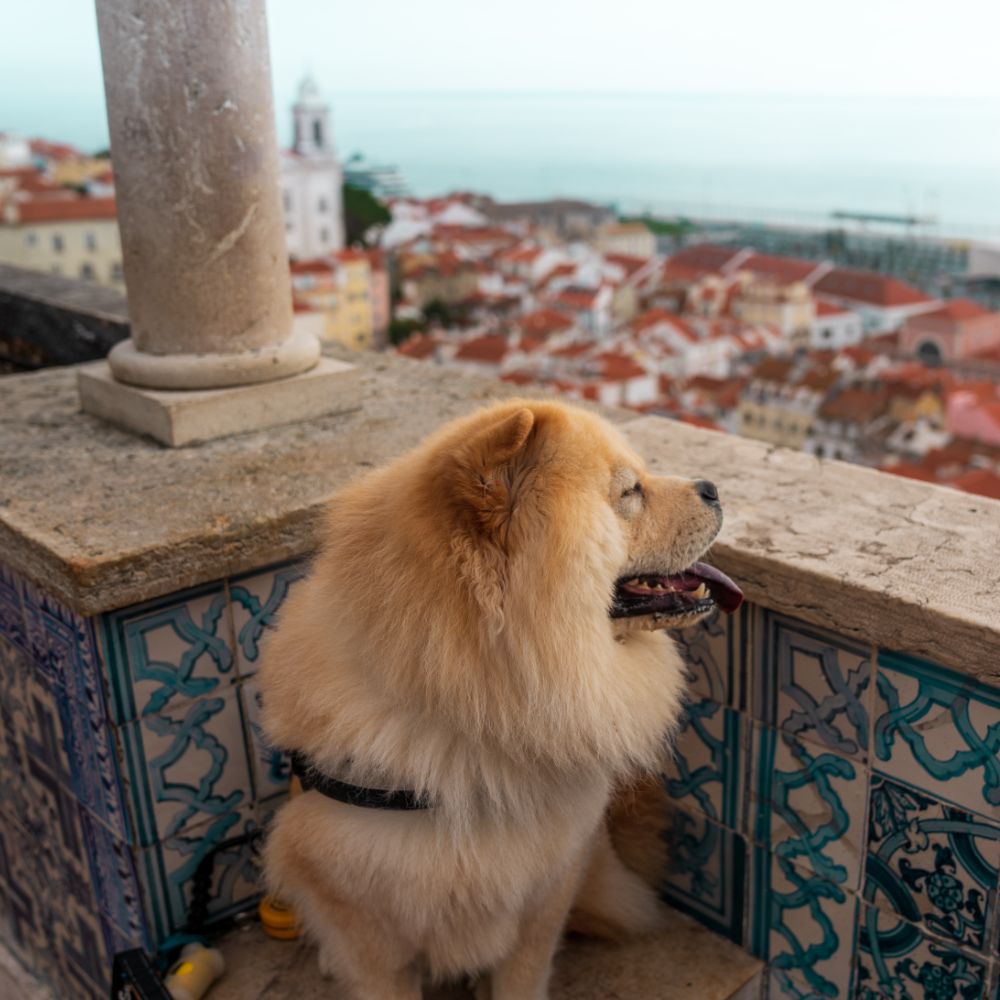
[(190, 416), (298, 353)]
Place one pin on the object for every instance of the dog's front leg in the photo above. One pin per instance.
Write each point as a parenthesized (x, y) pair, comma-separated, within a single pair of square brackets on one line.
[(524, 973)]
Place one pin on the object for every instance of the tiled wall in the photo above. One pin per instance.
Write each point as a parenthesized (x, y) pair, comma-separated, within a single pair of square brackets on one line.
[(838, 807), (838, 812), (129, 749)]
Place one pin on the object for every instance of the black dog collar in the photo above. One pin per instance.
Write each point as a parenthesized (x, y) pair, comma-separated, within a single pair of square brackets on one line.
[(367, 798)]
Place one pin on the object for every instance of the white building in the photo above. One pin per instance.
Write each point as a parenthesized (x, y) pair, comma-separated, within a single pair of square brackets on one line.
[(834, 327), (311, 180)]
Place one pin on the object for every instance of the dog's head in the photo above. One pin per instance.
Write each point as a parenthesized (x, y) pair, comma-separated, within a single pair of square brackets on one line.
[(550, 500)]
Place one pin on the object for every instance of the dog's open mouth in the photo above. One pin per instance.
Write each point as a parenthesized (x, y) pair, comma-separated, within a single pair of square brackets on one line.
[(695, 591)]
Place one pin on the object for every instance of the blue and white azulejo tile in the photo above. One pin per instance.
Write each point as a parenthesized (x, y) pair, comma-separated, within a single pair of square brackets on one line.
[(715, 654), (895, 961), (939, 731), (808, 806), (169, 650), (812, 684), (932, 863), (256, 602), (270, 766)]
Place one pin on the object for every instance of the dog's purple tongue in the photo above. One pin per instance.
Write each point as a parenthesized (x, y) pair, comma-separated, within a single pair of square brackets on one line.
[(724, 592)]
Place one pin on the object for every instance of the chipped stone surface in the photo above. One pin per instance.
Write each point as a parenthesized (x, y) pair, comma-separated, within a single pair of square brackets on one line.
[(104, 519), (697, 965)]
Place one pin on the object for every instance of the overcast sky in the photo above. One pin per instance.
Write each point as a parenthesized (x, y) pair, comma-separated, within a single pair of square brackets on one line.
[(50, 78)]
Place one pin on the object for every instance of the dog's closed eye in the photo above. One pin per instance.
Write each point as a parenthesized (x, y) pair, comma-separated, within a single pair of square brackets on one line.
[(633, 491)]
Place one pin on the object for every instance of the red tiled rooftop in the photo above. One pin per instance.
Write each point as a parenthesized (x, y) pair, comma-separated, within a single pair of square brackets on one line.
[(577, 298), (824, 308), (957, 310), (491, 348), (982, 482), (63, 209), (544, 322), (856, 404), (418, 346), (869, 287), (704, 257), (785, 269)]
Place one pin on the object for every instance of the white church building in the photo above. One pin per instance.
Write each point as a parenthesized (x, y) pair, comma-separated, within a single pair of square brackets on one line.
[(311, 180)]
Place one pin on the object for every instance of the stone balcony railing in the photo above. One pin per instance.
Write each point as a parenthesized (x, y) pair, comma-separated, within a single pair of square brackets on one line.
[(837, 785)]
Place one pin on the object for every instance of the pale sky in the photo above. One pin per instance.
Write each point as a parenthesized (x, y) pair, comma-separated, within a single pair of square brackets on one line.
[(50, 79)]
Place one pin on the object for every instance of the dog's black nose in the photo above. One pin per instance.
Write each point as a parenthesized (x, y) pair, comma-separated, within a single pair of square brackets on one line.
[(707, 491)]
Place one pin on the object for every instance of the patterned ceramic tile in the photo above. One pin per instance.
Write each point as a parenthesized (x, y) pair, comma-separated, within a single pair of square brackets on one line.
[(11, 613), (804, 926), (939, 731), (707, 873), (168, 651), (166, 872), (64, 647), (186, 765), (706, 770), (271, 767), (808, 806), (896, 960), (256, 600), (113, 878), (932, 864), (812, 684), (83, 962), (715, 652), (52, 739)]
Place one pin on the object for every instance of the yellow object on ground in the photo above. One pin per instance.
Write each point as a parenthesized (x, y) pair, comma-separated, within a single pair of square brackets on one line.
[(194, 972), (278, 920)]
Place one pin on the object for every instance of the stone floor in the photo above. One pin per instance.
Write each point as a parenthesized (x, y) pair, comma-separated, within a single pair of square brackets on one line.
[(686, 962)]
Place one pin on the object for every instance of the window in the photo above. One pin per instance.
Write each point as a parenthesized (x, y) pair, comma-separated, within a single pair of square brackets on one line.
[(31, 239), (827, 333), (90, 241), (287, 198), (87, 272), (324, 235), (116, 271), (321, 205), (318, 132), (57, 243)]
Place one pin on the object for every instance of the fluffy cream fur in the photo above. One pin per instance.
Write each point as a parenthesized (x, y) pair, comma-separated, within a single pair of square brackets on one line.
[(453, 638)]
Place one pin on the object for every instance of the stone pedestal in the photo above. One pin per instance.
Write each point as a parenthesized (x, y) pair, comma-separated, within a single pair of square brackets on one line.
[(183, 417)]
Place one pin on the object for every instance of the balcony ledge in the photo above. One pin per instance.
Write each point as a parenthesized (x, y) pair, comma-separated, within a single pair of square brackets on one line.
[(105, 519)]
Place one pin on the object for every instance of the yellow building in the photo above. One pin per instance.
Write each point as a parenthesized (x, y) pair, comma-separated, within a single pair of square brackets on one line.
[(787, 306), (72, 236), (341, 288)]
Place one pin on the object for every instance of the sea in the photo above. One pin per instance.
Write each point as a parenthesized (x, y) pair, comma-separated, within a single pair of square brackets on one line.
[(792, 160), (781, 159)]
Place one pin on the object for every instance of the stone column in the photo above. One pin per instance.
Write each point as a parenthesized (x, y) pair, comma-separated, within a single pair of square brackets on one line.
[(188, 90)]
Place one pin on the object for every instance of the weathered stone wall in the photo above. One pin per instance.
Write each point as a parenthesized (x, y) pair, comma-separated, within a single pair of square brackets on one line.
[(48, 320)]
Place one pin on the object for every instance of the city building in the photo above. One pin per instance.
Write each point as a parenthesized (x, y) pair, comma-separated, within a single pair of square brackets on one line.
[(834, 327), (311, 180), (73, 236), (882, 302), (958, 329), (633, 239)]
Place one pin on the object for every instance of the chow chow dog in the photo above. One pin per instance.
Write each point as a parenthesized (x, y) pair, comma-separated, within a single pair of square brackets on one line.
[(479, 648)]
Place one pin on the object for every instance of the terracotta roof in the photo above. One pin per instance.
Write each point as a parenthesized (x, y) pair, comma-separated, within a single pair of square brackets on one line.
[(958, 310), (559, 271), (491, 348), (909, 470), (773, 370), (979, 481), (824, 308), (62, 209), (855, 404), (518, 378), (629, 264), (313, 265), (544, 322), (704, 257), (786, 269), (573, 350), (575, 297), (418, 346), (651, 318), (869, 287), (619, 368)]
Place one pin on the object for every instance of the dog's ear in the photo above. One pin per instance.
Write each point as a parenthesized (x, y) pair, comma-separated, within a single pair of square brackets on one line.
[(490, 471)]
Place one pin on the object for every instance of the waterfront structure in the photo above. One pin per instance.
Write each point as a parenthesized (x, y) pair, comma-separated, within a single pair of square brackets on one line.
[(311, 180), (380, 179)]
